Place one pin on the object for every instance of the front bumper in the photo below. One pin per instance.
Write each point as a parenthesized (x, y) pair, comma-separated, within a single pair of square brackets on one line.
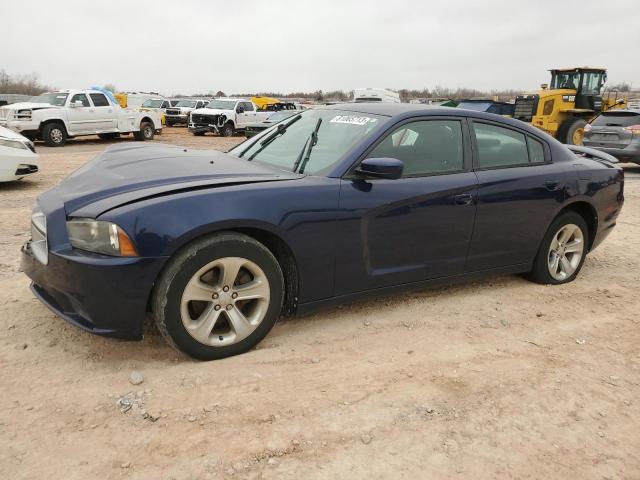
[(176, 118), (103, 295), (17, 165)]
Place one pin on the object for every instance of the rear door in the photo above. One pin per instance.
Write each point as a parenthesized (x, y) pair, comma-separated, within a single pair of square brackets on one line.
[(105, 113), (414, 228), (519, 189)]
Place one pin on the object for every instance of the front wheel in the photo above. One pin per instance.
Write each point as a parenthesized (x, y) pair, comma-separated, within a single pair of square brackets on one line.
[(228, 130), (54, 135), (146, 132), (218, 296), (562, 251)]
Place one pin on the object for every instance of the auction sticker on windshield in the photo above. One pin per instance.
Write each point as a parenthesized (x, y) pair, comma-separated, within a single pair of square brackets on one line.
[(352, 120)]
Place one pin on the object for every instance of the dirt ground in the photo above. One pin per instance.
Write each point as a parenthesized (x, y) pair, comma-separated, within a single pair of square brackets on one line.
[(494, 379)]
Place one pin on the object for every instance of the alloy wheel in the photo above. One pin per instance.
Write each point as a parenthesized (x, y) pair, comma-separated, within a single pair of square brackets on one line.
[(225, 301), (565, 252)]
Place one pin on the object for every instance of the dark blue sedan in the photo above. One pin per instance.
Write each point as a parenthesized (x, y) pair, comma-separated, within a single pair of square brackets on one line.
[(330, 205)]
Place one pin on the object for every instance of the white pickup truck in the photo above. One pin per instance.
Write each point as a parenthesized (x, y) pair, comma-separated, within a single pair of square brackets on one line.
[(225, 116), (55, 116)]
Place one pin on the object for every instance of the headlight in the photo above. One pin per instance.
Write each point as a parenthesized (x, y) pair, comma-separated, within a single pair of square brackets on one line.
[(5, 142), (23, 115), (100, 237)]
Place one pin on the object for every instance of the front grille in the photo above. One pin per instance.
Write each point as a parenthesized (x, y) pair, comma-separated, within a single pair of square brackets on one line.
[(525, 107), (206, 119), (173, 112)]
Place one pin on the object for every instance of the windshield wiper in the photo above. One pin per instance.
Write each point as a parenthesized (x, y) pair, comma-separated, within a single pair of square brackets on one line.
[(280, 129), (303, 158)]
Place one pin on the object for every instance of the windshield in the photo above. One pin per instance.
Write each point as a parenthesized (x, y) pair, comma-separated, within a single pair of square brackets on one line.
[(339, 131), (57, 99), (222, 104), (152, 103), (186, 103), (565, 80)]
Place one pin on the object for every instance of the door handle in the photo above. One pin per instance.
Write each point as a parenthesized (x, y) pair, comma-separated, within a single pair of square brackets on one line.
[(552, 185), (463, 199)]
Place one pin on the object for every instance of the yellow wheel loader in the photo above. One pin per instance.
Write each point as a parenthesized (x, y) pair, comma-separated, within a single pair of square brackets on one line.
[(563, 108)]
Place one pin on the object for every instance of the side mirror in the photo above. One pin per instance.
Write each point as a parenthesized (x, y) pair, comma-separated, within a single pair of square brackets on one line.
[(76, 104), (389, 168), (240, 110)]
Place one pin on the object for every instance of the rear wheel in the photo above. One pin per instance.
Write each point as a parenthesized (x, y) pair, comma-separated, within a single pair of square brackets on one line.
[(146, 132), (54, 135), (571, 132), (219, 296), (562, 251)]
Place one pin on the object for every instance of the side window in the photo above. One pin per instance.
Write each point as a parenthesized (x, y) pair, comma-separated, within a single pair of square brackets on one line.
[(248, 106), (99, 100), (536, 150), (81, 97), (200, 104), (165, 104), (500, 147), (425, 147)]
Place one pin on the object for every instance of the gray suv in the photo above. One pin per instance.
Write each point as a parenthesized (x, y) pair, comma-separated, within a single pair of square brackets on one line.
[(616, 132)]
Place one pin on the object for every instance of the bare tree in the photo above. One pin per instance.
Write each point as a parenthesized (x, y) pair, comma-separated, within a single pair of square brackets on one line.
[(24, 84)]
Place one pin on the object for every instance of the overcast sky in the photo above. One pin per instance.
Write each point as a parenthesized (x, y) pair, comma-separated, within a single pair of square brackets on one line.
[(191, 46)]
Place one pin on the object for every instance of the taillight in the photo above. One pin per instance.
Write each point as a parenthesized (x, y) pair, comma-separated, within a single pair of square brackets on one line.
[(587, 127), (634, 129)]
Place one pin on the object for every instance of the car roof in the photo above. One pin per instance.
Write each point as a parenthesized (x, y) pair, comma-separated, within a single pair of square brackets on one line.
[(408, 110)]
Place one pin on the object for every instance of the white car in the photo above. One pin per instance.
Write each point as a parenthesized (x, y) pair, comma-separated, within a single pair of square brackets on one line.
[(226, 116), (55, 116), (179, 113), (17, 156)]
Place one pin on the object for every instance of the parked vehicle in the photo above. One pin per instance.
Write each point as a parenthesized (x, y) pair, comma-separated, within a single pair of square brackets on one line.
[(616, 132), (333, 204), (226, 116), (254, 128), (573, 99), (181, 111), (18, 157), (489, 106), (134, 99), (56, 116), (159, 105), (361, 95)]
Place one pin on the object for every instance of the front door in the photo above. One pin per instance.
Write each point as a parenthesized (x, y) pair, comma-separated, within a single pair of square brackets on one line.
[(81, 115), (414, 228)]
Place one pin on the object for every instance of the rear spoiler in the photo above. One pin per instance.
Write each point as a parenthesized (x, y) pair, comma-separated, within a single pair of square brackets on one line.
[(592, 153)]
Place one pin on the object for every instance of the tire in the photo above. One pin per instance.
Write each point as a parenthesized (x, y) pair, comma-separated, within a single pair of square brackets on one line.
[(198, 134), (108, 136), (543, 264), (228, 130), (146, 132), (199, 268), (571, 132), (54, 135)]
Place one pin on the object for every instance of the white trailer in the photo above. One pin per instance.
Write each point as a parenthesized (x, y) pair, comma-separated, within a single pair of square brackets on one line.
[(361, 95)]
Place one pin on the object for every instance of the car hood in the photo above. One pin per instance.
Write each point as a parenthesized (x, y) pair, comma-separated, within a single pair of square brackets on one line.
[(213, 111), (28, 105), (130, 173)]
